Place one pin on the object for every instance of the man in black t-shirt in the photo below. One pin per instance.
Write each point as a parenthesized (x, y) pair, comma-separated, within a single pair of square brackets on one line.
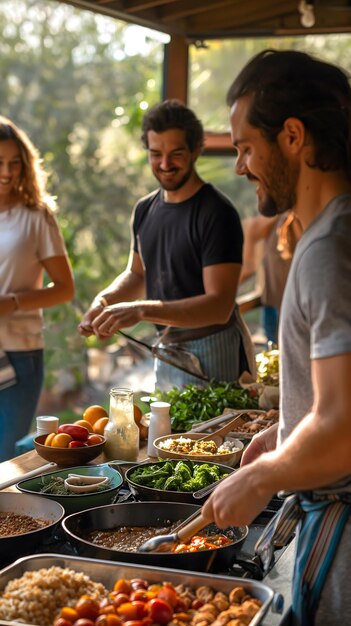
[(185, 257)]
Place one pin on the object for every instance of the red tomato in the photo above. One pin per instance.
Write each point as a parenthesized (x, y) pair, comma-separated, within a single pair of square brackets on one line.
[(108, 620), (134, 622), (139, 594), (169, 595), (61, 621), (87, 607), (159, 611), (76, 432), (147, 621), (122, 585), (139, 583), (132, 610), (83, 621), (118, 598)]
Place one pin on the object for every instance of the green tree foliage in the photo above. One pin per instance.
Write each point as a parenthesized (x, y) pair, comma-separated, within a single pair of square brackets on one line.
[(70, 79)]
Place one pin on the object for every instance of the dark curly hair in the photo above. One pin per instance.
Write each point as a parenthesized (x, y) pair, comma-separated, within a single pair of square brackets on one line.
[(287, 84), (173, 114)]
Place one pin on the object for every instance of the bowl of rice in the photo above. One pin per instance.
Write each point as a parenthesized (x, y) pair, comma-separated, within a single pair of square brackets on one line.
[(225, 450)]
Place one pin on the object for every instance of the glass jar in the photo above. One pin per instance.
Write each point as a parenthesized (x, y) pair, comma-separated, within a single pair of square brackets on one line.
[(121, 431)]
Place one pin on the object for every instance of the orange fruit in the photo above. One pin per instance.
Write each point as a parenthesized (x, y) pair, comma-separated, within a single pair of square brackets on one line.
[(93, 413), (61, 440), (99, 425), (49, 439), (93, 440), (84, 423), (137, 414)]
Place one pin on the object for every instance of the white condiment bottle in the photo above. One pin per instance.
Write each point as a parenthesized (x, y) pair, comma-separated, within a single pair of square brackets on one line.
[(121, 431), (160, 424)]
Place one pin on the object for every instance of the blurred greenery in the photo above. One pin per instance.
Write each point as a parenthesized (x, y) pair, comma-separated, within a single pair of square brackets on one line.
[(79, 83)]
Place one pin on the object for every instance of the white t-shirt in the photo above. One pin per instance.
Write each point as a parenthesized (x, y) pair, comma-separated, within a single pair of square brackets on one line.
[(27, 237)]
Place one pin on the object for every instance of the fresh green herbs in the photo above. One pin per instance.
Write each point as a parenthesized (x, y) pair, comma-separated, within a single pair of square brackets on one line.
[(193, 405), (177, 475), (56, 486)]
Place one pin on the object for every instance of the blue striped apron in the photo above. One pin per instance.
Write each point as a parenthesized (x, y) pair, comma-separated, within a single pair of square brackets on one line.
[(322, 516)]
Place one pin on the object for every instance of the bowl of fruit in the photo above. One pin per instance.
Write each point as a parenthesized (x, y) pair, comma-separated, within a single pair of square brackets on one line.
[(76, 443)]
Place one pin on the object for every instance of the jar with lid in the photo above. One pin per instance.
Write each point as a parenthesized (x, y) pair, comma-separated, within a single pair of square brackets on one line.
[(121, 431), (160, 424)]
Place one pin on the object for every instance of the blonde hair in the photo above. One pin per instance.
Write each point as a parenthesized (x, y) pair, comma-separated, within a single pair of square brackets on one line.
[(32, 185)]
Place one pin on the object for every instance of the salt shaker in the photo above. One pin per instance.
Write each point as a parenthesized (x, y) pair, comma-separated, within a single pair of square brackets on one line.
[(160, 424)]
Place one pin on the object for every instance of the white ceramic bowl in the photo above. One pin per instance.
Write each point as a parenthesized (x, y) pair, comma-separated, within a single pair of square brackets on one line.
[(228, 458)]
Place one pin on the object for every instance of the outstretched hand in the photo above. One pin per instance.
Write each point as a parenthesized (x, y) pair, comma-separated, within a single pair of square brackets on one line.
[(261, 443)]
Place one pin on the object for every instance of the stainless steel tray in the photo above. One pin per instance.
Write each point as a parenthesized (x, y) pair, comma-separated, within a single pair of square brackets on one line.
[(107, 572)]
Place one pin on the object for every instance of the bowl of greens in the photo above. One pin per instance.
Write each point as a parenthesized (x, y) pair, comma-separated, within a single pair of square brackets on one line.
[(52, 486), (173, 481)]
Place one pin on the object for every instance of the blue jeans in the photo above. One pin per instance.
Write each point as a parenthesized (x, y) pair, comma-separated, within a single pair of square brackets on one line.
[(19, 402), (270, 318)]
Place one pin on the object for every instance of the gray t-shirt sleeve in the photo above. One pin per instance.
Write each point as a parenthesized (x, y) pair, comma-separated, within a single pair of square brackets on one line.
[(325, 295)]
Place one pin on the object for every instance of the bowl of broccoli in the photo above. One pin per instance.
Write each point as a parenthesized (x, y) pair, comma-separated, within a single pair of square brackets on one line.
[(174, 481)]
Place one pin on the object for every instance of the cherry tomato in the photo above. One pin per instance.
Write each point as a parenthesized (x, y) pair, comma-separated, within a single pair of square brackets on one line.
[(108, 608), (132, 610), (68, 613), (139, 583), (83, 621), (147, 621), (118, 598), (134, 622), (62, 622), (159, 611), (122, 585), (87, 607), (169, 595), (77, 444), (94, 439), (139, 594), (197, 604), (108, 620)]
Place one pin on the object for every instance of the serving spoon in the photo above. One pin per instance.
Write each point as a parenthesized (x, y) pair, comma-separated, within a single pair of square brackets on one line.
[(164, 543)]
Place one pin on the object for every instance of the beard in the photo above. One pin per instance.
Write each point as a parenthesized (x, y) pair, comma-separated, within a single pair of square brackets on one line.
[(281, 180), (176, 183)]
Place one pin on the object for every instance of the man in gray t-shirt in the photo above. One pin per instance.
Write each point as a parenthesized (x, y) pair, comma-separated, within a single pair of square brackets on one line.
[(291, 126)]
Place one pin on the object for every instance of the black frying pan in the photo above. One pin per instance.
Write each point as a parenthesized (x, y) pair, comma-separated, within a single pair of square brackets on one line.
[(78, 525), (143, 492)]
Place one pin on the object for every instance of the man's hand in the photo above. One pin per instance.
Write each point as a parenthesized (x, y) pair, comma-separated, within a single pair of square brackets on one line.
[(85, 327), (261, 443), (238, 499), (116, 316)]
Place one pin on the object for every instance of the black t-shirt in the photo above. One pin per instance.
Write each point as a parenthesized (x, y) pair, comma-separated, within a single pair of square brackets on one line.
[(177, 240)]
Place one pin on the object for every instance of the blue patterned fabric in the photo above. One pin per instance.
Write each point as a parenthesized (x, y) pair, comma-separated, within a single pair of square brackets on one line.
[(322, 521)]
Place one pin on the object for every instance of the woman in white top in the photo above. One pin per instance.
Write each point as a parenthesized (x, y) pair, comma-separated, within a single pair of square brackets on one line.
[(30, 243)]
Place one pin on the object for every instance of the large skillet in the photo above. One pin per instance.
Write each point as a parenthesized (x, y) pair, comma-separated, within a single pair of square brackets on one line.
[(78, 525), (143, 492)]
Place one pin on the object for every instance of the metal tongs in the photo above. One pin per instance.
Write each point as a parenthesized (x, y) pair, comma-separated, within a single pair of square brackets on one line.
[(164, 543)]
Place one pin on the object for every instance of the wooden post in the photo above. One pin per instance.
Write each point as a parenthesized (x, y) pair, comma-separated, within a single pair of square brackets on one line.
[(175, 69)]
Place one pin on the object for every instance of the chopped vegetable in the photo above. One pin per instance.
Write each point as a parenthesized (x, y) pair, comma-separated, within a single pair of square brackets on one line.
[(177, 475), (193, 405)]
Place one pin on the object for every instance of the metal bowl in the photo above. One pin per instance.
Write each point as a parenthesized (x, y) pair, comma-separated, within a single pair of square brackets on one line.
[(67, 457), (143, 492), (33, 506), (76, 502), (230, 458)]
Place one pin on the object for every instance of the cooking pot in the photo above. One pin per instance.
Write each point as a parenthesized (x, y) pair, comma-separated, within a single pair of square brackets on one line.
[(12, 546), (78, 525), (143, 492)]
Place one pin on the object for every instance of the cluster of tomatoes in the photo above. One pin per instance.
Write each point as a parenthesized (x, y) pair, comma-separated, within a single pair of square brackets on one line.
[(85, 432), (131, 603)]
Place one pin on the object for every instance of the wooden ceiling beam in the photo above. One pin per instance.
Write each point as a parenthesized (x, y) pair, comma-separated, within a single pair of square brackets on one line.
[(133, 6), (235, 17), (184, 9)]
